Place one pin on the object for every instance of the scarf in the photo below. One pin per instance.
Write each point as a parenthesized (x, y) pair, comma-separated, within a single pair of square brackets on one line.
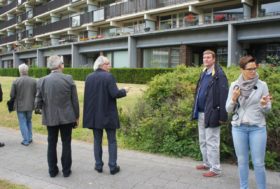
[(246, 87)]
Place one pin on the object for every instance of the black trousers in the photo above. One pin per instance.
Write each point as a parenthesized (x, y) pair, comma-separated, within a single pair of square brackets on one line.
[(66, 156)]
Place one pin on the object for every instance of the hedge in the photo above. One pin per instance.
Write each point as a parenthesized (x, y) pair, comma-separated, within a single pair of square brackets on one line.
[(122, 75), (160, 121)]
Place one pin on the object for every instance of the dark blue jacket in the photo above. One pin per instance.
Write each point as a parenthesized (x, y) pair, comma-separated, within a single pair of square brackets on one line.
[(215, 100), (100, 106)]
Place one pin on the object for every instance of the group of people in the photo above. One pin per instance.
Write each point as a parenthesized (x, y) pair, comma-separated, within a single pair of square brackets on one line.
[(248, 101), (55, 97)]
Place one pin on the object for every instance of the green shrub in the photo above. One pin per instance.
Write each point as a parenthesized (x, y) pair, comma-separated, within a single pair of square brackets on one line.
[(161, 121), (122, 75)]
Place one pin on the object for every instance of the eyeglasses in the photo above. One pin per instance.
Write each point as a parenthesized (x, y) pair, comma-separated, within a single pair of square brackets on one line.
[(251, 69)]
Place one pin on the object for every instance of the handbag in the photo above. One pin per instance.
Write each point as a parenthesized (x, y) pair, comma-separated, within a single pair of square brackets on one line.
[(10, 105)]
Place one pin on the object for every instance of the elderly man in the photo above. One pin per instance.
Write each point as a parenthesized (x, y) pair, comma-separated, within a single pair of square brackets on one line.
[(57, 98), (100, 111), (2, 144), (23, 92)]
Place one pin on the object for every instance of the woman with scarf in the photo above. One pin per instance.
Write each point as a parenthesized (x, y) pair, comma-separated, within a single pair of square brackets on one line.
[(249, 101)]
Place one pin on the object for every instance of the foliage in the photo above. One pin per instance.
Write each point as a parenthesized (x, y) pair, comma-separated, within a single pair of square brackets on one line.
[(122, 75), (273, 59), (160, 122), (8, 185)]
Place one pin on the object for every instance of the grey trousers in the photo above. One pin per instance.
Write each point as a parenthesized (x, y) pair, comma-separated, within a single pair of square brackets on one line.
[(209, 142)]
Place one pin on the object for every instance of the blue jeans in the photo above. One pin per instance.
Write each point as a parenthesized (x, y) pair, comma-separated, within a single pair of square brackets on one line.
[(250, 138), (25, 124)]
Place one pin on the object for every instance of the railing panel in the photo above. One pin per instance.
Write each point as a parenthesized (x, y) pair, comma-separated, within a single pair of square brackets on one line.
[(8, 39), (59, 25), (49, 6), (7, 23), (8, 7)]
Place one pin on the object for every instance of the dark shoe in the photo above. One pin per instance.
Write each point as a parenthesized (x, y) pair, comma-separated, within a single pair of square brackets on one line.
[(2, 144), (211, 174), (116, 170), (24, 144), (67, 174), (30, 141), (99, 170), (202, 167), (54, 174)]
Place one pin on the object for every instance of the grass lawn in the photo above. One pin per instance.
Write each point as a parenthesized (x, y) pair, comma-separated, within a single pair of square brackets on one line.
[(7, 185), (10, 119)]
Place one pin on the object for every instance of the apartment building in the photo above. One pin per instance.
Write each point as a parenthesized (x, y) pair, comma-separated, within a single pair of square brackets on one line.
[(137, 33)]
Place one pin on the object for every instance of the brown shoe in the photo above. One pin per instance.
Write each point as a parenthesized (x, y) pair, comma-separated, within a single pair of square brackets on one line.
[(211, 174), (202, 167)]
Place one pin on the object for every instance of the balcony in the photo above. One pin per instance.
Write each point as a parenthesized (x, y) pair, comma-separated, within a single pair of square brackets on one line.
[(8, 7), (59, 25), (8, 23), (86, 18), (8, 39), (130, 7), (49, 6)]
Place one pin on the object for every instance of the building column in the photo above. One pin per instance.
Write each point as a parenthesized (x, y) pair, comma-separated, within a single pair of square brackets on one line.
[(247, 4), (132, 52), (54, 39), (40, 59), (77, 59), (150, 23), (16, 60), (234, 48)]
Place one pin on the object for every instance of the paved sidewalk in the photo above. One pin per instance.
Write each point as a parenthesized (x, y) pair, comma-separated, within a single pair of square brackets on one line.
[(28, 166)]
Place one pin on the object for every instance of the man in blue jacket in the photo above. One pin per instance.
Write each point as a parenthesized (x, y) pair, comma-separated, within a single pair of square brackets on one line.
[(100, 111), (209, 110)]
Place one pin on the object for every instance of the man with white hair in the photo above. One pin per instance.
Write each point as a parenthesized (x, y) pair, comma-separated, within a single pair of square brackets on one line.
[(57, 99), (100, 111), (23, 92)]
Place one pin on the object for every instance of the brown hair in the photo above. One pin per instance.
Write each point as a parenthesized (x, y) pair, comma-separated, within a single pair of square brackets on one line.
[(245, 60), (210, 52)]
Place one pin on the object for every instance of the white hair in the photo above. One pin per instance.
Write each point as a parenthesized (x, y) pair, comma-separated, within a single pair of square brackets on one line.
[(99, 62), (54, 62), (23, 69)]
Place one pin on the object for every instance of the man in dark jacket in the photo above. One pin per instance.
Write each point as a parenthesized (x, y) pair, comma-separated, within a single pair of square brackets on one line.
[(209, 109), (23, 92), (100, 111), (58, 99), (2, 144)]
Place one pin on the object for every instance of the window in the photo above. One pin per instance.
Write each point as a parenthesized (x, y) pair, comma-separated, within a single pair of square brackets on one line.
[(161, 57), (222, 56), (76, 21), (270, 9)]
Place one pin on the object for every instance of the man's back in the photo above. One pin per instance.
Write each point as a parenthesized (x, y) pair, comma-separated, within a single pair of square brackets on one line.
[(24, 91), (60, 101)]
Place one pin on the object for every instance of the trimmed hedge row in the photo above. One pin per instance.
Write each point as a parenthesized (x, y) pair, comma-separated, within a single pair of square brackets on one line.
[(122, 75)]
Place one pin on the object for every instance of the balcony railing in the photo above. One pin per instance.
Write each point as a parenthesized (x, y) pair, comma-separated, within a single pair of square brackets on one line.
[(50, 6), (129, 7), (8, 7), (8, 23), (59, 25), (86, 18), (8, 39)]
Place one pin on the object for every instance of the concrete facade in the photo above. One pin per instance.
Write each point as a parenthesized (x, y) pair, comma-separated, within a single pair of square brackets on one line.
[(138, 33)]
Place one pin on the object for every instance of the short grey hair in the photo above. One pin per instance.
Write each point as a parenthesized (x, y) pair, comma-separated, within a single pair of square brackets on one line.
[(23, 69), (54, 62), (99, 62)]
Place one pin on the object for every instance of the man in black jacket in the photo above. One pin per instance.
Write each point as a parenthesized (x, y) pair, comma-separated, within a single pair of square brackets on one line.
[(100, 111), (209, 110), (1, 98)]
